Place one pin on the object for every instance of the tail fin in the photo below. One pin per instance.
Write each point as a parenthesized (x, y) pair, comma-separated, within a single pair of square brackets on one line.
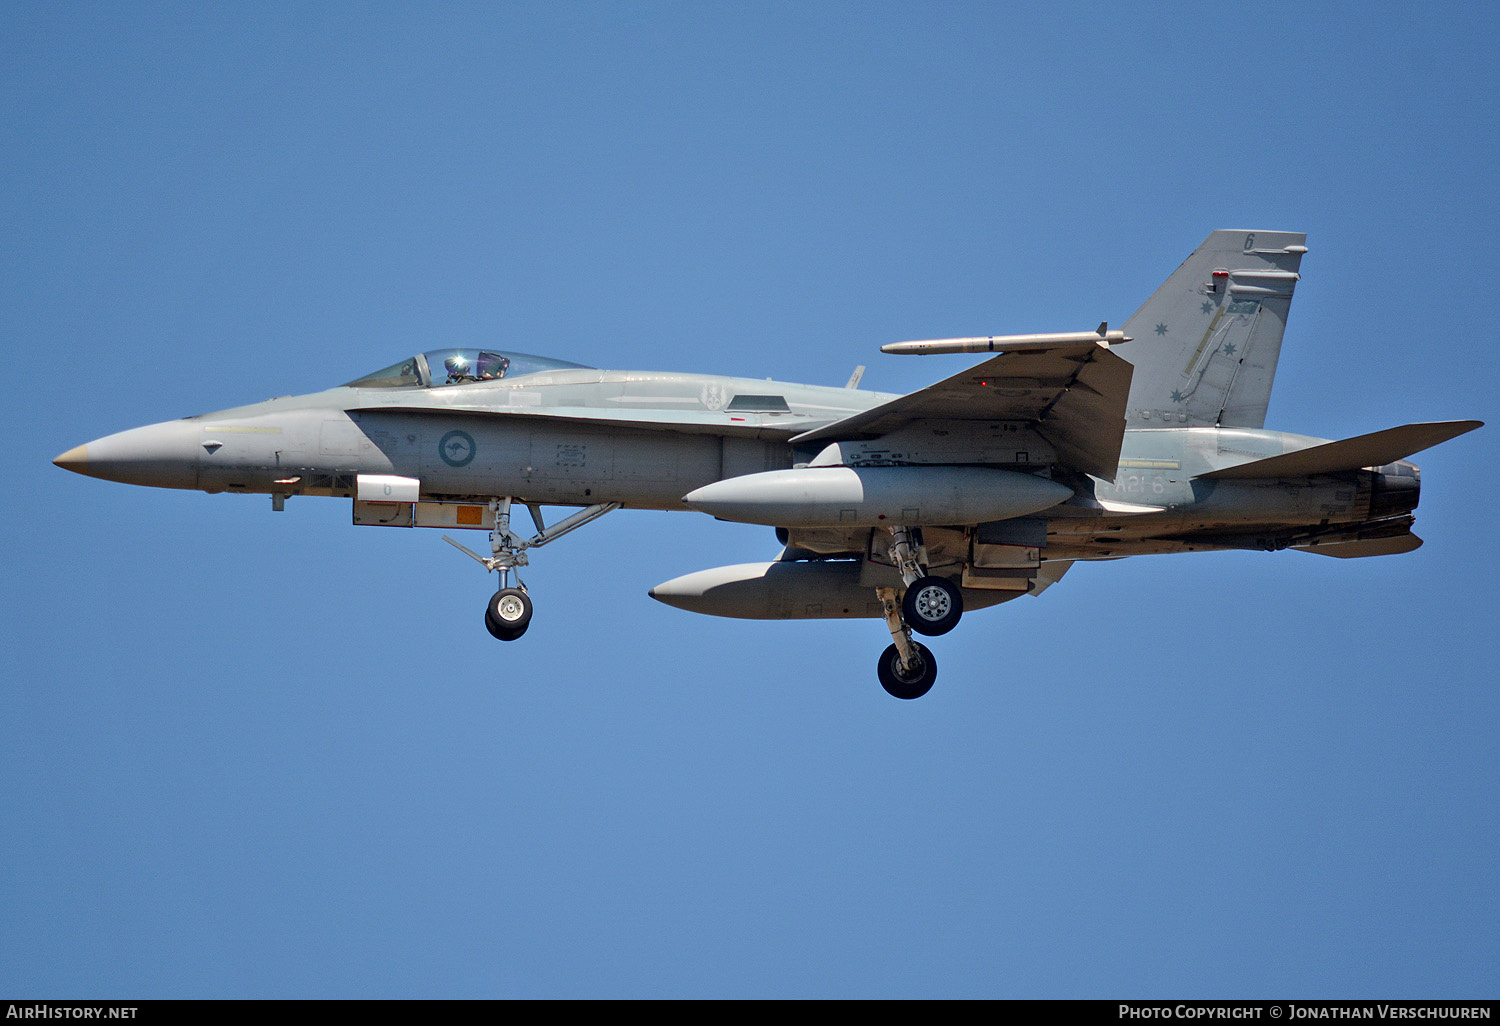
[(1208, 340)]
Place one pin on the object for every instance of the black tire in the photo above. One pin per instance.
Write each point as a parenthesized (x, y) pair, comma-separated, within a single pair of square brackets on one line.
[(510, 610), (901, 684), (499, 632), (932, 606)]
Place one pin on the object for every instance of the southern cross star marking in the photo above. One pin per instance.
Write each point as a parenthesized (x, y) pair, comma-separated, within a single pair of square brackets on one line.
[(1228, 348), (1161, 329), (1206, 307), (1176, 396)]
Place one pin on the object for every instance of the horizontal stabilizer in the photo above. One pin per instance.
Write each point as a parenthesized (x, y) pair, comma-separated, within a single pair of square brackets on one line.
[(1373, 450)]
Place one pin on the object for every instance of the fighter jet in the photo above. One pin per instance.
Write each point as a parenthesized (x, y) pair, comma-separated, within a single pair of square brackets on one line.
[(913, 510)]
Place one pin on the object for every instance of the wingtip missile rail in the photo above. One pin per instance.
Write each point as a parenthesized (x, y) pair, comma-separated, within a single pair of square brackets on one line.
[(1005, 343)]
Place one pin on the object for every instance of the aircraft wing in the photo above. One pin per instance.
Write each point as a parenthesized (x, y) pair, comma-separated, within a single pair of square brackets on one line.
[(1073, 395)]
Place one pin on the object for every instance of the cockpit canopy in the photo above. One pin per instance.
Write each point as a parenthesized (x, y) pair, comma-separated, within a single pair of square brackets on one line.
[(458, 367)]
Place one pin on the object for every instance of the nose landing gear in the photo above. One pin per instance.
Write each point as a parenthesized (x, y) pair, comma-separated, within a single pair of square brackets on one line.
[(508, 613)]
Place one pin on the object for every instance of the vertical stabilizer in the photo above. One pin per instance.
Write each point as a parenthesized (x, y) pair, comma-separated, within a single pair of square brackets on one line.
[(1207, 341)]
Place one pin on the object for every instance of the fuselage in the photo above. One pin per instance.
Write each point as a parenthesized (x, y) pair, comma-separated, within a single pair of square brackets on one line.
[(574, 436), (579, 436)]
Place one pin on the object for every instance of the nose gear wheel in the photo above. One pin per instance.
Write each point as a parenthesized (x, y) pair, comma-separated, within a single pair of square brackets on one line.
[(501, 633), (508, 612)]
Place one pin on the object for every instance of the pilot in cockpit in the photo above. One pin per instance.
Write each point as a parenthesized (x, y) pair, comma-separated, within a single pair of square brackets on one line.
[(491, 366), (458, 369), (486, 367)]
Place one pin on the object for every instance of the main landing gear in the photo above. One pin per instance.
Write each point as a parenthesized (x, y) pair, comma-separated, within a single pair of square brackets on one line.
[(508, 613), (930, 606)]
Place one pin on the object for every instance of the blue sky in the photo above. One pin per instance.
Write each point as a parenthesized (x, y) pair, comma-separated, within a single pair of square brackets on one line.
[(264, 755)]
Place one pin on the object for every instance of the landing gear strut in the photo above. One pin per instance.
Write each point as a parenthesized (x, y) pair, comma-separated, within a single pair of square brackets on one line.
[(508, 613), (930, 606), (907, 668)]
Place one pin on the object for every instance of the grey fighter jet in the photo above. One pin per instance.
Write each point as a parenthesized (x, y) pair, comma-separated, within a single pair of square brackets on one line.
[(909, 509)]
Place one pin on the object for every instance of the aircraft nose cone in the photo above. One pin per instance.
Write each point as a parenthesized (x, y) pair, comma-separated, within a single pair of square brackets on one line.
[(75, 459), (160, 455)]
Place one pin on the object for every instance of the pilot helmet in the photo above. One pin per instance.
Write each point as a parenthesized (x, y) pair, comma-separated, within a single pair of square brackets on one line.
[(458, 366), (491, 365)]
